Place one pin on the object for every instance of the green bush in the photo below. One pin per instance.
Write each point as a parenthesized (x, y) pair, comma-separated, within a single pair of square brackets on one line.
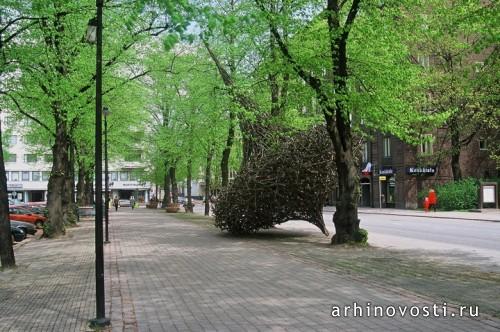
[(361, 236), (458, 195)]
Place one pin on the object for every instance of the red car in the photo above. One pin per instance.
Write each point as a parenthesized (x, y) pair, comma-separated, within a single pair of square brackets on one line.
[(20, 214)]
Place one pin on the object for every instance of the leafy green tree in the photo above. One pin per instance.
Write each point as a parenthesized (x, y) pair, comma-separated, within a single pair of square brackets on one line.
[(458, 46), (12, 27), (56, 88), (188, 95), (354, 56)]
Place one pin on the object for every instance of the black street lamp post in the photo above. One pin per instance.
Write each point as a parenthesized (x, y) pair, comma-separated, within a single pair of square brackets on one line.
[(106, 176), (94, 30)]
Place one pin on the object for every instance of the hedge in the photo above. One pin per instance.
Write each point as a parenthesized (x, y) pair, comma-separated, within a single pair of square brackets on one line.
[(457, 195)]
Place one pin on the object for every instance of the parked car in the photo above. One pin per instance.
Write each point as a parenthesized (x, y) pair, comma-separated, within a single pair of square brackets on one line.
[(124, 203), (17, 234), (20, 214), (37, 209), (25, 226)]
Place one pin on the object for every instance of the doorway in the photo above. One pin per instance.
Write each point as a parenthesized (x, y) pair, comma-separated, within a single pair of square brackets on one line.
[(388, 187), (36, 196), (365, 192)]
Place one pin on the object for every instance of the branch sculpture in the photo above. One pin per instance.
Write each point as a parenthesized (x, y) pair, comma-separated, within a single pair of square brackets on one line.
[(288, 180)]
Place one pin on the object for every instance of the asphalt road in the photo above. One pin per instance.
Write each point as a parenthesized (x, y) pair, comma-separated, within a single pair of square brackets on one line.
[(462, 241), (456, 240)]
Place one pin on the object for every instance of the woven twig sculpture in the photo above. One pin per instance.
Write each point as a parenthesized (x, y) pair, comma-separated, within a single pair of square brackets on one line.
[(288, 180)]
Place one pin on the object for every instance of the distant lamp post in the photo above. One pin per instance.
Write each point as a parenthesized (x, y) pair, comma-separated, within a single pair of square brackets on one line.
[(106, 112), (94, 35)]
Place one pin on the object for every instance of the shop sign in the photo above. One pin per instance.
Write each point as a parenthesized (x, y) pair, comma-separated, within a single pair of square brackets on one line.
[(14, 185), (427, 170), (387, 171), (382, 178)]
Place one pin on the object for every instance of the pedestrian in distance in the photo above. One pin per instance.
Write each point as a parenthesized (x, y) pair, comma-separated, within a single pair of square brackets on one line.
[(116, 202), (432, 199), (132, 202)]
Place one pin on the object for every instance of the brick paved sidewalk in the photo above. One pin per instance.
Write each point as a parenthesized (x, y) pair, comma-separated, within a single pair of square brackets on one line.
[(163, 274), (53, 287)]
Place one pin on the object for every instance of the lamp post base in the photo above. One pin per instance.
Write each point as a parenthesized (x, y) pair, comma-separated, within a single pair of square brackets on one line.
[(99, 322)]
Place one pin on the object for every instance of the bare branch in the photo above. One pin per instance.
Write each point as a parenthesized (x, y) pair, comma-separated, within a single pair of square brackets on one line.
[(29, 116)]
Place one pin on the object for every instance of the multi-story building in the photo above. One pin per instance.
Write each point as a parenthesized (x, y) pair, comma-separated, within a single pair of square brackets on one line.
[(124, 181), (28, 170), (393, 172), (27, 173)]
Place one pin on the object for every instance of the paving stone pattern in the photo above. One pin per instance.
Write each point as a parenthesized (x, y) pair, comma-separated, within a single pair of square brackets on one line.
[(53, 287), (163, 274)]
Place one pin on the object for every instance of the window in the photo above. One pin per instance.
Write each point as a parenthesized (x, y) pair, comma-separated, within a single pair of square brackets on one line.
[(35, 176), (123, 176), (134, 155), (426, 146), (14, 176), (48, 158), (133, 176), (30, 158), (387, 147), (9, 121), (13, 140), (423, 60), (45, 176), (25, 176), (483, 145), (11, 158), (364, 152), (113, 176)]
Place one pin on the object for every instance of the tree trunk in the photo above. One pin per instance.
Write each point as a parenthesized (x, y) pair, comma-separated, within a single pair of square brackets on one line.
[(7, 258), (80, 186), (85, 185), (346, 215), (248, 128), (57, 183), (173, 184), (455, 150), (188, 185), (89, 186), (208, 175), (69, 209), (339, 128), (166, 188), (224, 164), (72, 165), (273, 77)]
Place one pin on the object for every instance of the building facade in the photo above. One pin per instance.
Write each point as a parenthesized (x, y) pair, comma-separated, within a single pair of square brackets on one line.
[(392, 173), (27, 173), (28, 170), (125, 181)]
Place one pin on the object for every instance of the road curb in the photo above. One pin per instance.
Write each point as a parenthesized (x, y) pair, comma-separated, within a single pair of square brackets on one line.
[(427, 216)]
